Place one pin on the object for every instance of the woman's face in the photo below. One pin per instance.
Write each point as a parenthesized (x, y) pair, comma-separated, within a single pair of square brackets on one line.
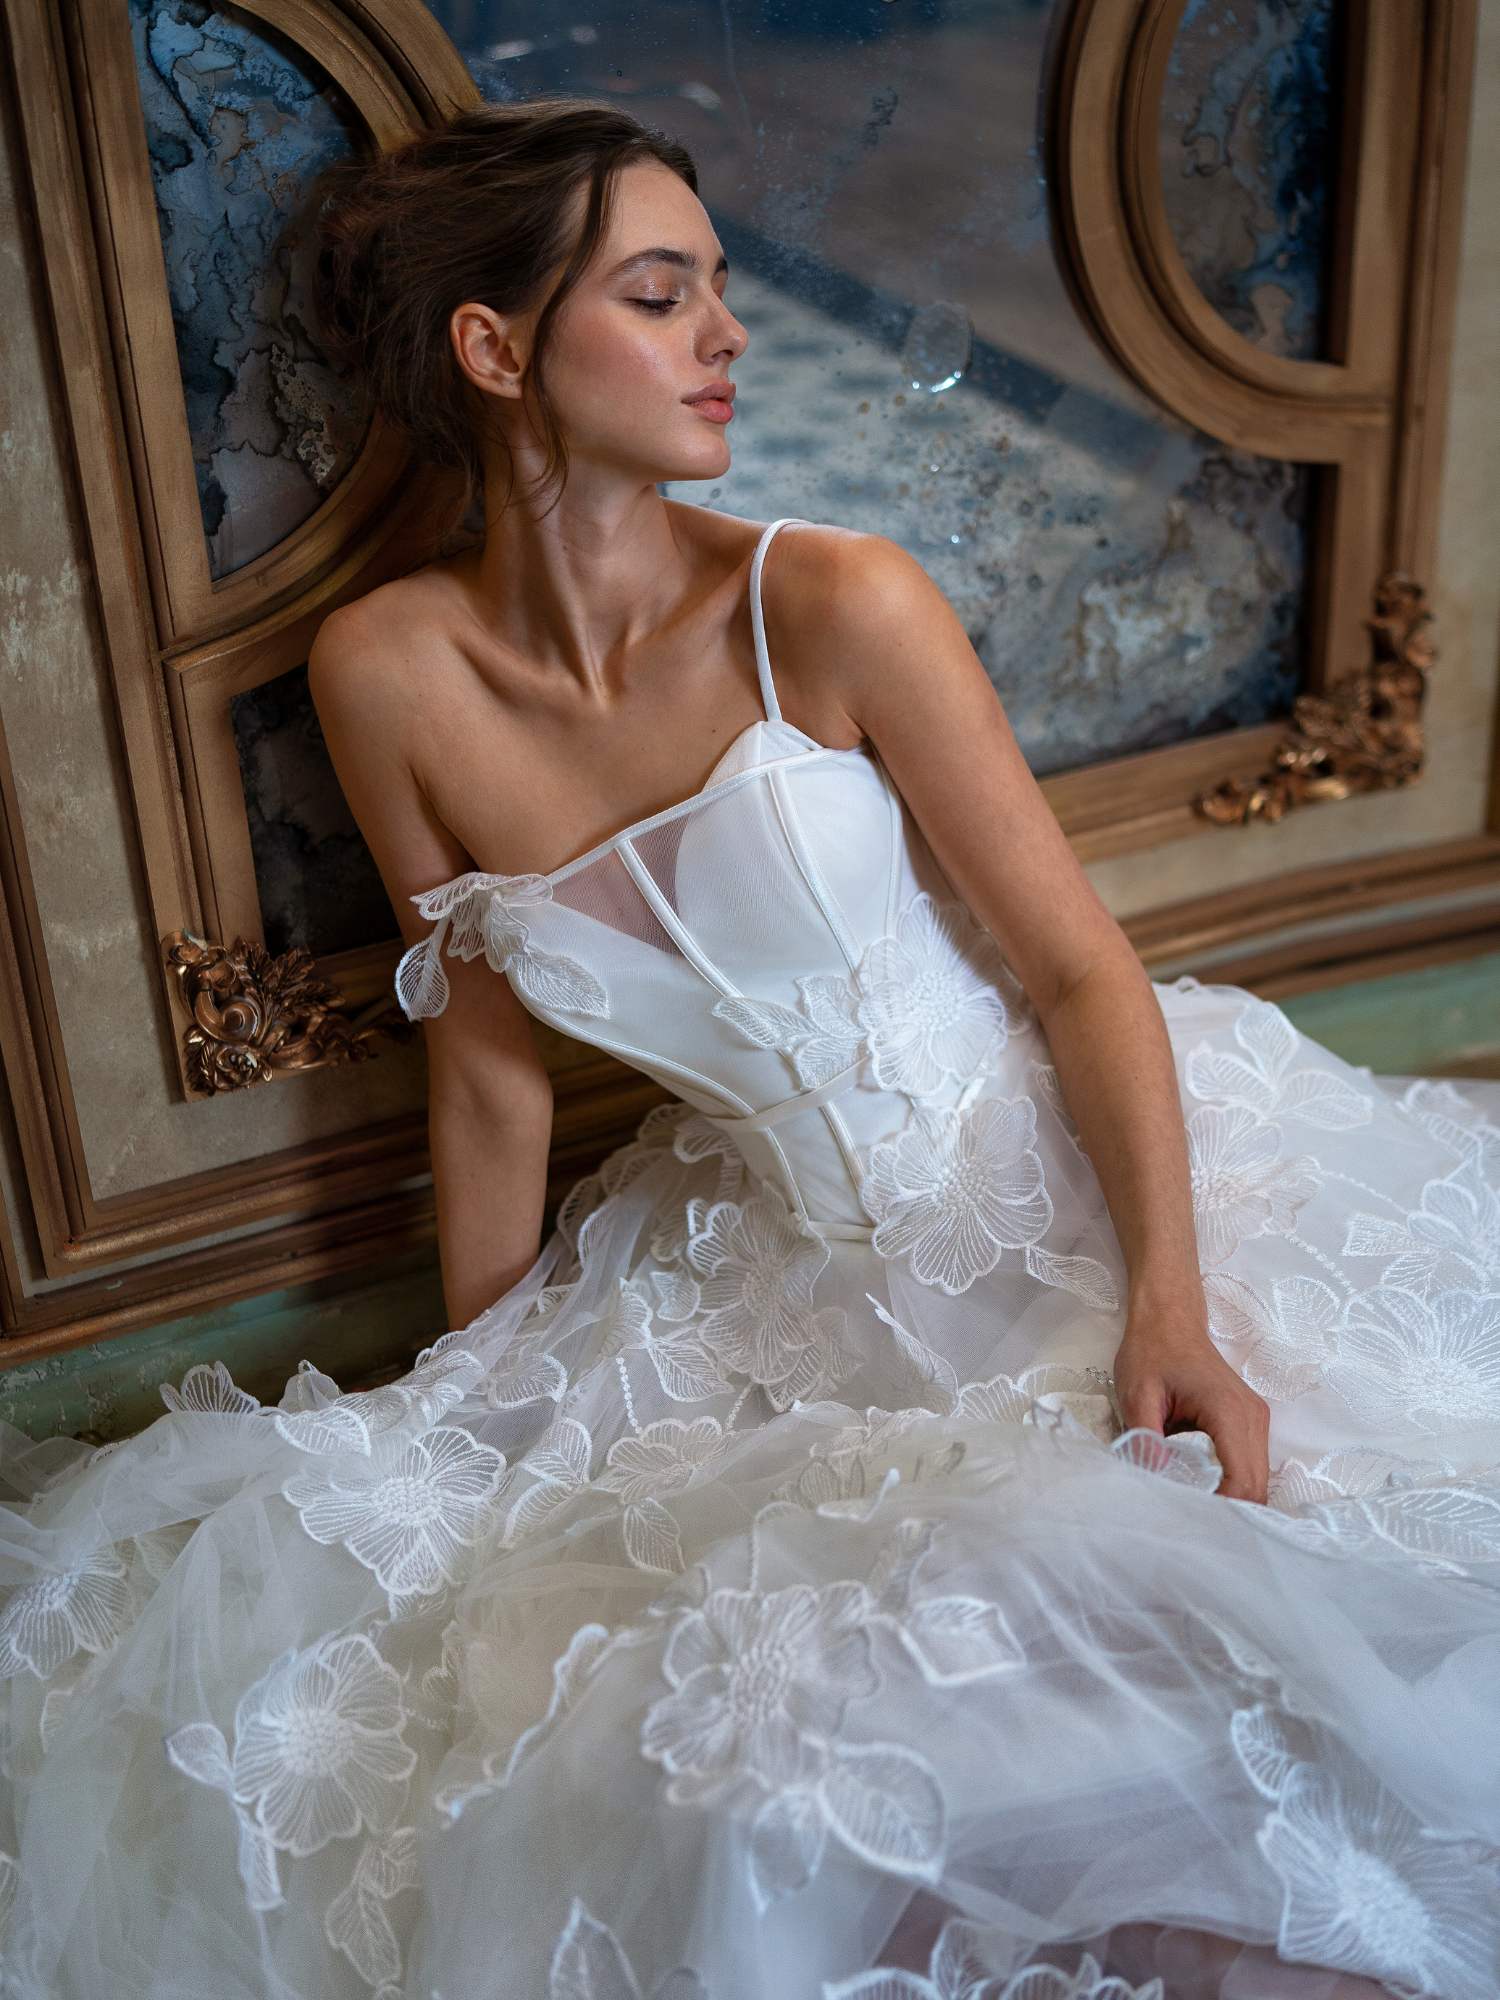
[(645, 328)]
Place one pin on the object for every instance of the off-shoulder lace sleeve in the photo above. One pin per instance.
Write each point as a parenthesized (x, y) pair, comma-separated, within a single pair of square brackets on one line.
[(477, 913)]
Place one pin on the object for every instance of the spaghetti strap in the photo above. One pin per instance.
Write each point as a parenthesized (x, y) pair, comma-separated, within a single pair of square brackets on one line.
[(758, 622)]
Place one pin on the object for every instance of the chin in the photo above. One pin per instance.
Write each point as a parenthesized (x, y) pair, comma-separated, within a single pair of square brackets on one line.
[(697, 470)]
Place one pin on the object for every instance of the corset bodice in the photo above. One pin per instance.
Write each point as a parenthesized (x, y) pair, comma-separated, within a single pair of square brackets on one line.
[(781, 950)]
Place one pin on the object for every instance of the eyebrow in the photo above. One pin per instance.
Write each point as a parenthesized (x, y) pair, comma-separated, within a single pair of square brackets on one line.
[(661, 253)]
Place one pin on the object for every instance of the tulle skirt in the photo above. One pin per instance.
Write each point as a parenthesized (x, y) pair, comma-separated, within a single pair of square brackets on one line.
[(717, 1617)]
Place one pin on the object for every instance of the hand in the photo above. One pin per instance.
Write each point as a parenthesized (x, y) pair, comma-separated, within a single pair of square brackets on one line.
[(1175, 1378)]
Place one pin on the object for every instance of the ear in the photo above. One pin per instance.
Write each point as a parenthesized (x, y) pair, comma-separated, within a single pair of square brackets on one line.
[(491, 348)]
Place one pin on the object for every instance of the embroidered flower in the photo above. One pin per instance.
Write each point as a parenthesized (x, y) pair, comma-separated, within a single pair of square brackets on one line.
[(1452, 1239), (756, 1269), (1291, 1334), (931, 1001), (937, 999), (407, 1524), (1242, 1185), (1434, 1363), (1366, 1888), (318, 1747), (664, 1458), (955, 1189), (45, 1622), (478, 913), (760, 1682), (209, 1388)]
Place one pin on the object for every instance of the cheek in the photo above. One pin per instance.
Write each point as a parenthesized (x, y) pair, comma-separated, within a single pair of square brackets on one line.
[(611, 357)]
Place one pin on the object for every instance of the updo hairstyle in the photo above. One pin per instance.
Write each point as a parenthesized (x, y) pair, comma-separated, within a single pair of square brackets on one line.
[(479, 209)]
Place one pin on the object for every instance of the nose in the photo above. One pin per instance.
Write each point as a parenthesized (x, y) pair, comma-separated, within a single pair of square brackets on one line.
[(731, 336)]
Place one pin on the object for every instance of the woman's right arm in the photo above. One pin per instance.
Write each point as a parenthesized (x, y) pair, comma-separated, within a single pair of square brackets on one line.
[(489, 1096)]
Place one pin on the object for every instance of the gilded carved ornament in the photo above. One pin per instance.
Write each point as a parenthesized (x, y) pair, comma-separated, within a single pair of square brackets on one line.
[(1364, 735), (257, 1017)]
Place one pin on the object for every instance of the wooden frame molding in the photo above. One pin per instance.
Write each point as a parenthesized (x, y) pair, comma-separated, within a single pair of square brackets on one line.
[(1369, 412)]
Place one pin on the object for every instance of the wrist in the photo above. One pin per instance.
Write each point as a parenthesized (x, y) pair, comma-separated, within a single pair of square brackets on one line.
[(1174, 1293), (1173, 1325)]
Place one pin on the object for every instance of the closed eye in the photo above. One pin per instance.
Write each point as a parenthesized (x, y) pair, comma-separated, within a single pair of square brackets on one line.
[(655, 305)]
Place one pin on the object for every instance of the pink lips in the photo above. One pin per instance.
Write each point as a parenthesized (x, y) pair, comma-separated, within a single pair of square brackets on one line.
[(715, 401)]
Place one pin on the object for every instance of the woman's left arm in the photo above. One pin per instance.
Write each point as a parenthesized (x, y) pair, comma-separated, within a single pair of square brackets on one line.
[(891, 648)]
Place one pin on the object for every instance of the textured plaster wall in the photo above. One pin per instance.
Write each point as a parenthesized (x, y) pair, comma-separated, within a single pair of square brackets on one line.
[(57, 708)]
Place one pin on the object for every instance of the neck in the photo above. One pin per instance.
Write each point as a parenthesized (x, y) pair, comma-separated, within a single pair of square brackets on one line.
[(582, 588)]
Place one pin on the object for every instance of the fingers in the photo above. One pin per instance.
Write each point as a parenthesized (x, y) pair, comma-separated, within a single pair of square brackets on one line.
[(1242, 1442), (1199, 1391), (1143, 1405), (1141, 1393)]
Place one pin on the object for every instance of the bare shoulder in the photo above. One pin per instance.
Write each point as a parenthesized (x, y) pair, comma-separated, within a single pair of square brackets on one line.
[(841, 607), (361, 676), (838, 582), (361, 646)]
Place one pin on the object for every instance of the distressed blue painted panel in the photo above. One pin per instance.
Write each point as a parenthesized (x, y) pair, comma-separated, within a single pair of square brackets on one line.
[(1248, 157), (916, 368), (238, 121), (319, 887)]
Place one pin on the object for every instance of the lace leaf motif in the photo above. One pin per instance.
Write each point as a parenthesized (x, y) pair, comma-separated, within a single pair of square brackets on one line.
[(1262, 1080), (933, 1001), (477, 913)]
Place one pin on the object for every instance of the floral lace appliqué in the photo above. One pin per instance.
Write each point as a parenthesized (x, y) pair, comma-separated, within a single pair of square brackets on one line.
[(1434, 1363), (80, 1609), (756, 1270), (932, 1002), (477, 913), (955, 1190), (1365, 1884), (318, 1755), (409, 1523), (1242, 1183)]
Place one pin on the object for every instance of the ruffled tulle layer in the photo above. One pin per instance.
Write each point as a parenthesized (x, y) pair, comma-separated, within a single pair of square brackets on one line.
[(911, 1670), (722, 1616)]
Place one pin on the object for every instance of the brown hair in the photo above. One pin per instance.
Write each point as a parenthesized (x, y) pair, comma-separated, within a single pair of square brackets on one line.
[(476, 209)]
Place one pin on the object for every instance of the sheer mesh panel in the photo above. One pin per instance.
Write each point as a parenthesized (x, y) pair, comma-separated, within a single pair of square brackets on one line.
[(606, 892), (730, 875)]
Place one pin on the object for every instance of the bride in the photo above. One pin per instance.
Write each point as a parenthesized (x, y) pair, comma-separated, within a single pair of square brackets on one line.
[(992, 1494)]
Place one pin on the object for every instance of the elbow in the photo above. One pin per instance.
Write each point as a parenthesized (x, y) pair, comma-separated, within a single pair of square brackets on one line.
[(485, 1098), (1116, 959)]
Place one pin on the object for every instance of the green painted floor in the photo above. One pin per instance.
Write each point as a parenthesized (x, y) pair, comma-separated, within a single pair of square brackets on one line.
[(1442, 1021)]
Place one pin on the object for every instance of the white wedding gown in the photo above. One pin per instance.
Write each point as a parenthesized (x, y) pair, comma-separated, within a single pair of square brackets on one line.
[(759, 1601)]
